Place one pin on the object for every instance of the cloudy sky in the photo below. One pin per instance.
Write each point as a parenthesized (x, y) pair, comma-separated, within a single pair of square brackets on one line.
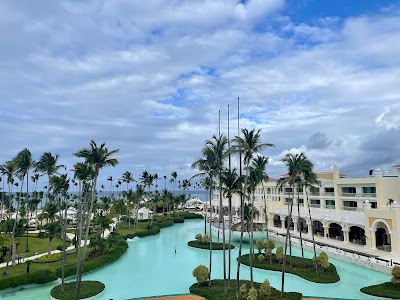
[(148, 77)]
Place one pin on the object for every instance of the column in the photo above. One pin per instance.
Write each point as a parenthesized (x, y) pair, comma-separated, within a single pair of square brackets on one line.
[(345, 236), (373, 239), (309, 228), (295, 226), (391, 243), (283, 222), (326, 231)]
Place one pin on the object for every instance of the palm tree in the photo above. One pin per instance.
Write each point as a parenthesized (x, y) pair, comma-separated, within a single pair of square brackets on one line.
[(48, 164), (309, 180), (50, 213), (9, 170), (99, 157), (60, 185), (231, 183), (110, 179), (295, 164), (174, 176), (217, 147), (24, 163), (139, 195), (206, 166), (249, 145), (104, 222)]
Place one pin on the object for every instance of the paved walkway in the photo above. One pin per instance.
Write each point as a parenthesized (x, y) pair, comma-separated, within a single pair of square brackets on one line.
[(70, 236)]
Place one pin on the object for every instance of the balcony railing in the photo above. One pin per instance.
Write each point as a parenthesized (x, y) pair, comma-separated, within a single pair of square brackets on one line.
[(348, 208), (372, 195), (315, 205), (329, 206), (329, 194), (359, 195)]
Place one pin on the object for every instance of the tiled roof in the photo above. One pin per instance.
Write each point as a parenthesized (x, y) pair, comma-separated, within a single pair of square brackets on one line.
[(397, 166)]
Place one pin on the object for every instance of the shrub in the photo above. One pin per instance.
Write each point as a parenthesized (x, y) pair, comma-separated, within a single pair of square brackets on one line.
[(243, 291), (322, 261), (265, 288), (60, 247), (179, 220), (45, 258), (39, 277), (206, 239), (259, 245), (271, 245), (153, 231), (201, 273), (252, 294), (396, 275), (279, 253), (261, 258), (198, 237)]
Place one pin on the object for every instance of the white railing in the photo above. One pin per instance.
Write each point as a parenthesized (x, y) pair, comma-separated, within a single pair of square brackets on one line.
[(315, 205), (329, 206), (349, 195), (372, 195), (329, 194), (348, 208)]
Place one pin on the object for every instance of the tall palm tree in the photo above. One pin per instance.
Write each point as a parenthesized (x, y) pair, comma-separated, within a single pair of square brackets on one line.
[(294, 165), (217, 147), (309, 180), (24, 163), (99, 157), (231, 183), (9, 170), (174, 176), (110, 179), (247, 146), (206, 166), (60, 186), (139, 196), (48, 164)]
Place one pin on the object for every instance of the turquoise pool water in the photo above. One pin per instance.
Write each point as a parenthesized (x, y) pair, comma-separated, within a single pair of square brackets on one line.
[(151, 268)]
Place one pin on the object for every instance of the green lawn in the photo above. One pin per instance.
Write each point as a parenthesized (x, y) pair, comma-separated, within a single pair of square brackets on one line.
[(20, 269), (386, 290), (216, 291), (88, 289), (303, 268)]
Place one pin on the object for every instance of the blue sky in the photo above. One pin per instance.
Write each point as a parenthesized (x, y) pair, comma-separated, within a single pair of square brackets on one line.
[(149, 78)]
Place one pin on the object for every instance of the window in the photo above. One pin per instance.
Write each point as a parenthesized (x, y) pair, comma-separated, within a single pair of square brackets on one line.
[(369, 190), (374, 205), (315, 201), (330, 202), (329, 190), (288, 190), (349, 190)]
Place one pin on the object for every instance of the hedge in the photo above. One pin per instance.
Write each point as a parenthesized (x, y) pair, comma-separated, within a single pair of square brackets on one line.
[(188, 215), (39, 277), (216, 291), (386, 290), (206, 246), (109, 257), (302, 268), (166, 223), (179, 220), (88, 289)]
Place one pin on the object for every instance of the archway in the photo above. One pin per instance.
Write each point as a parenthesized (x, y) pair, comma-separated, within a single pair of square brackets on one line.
[(277, 221), (291, 223), (335, 231), (357, 235), (302, 225), (383, 240), (318, 227)]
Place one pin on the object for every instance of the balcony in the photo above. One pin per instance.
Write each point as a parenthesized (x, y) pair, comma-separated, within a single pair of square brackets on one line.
[(358, 195), (315, 205), (329, 206), (356, 209), (369, 195)]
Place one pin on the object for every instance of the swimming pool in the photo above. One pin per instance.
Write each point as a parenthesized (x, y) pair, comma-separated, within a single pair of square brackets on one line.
[(150, 267)]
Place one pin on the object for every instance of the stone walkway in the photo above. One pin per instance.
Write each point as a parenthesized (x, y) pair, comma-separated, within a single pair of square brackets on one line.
[(70, 236)]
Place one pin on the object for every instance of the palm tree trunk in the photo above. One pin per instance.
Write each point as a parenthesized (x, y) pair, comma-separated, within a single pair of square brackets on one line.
[(49, 249), (312, 234), (266, 224), (223, 229), (230, 240), (27, 219), (299, 223), (251, 256), (286, 243), (13, 238), (79, 239), (210, 221), (64, 260), (241, 233)]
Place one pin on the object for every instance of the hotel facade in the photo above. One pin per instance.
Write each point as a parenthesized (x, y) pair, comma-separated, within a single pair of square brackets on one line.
[(361, 211)]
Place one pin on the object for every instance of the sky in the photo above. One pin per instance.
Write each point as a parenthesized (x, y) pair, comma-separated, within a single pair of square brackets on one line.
[(149, 77)]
